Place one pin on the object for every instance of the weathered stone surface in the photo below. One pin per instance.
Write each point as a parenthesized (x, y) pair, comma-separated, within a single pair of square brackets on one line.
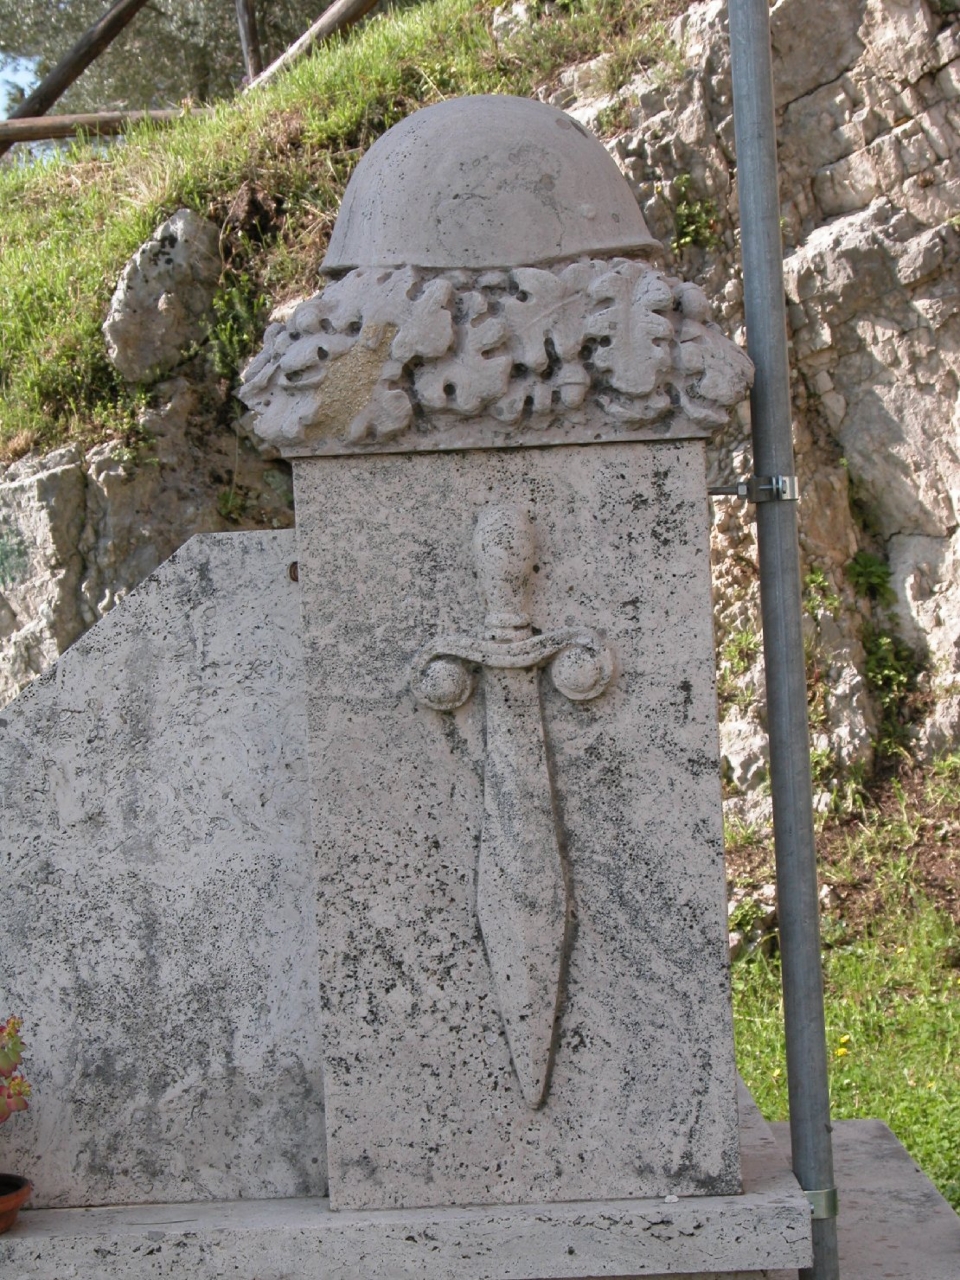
[(923, 573), (161, 306), (893, 1221), (893, 1224), (592, 350), (158, 934), (78, 531), (42, 512), (523, 185), (804, 64), (723, 1238), (640, 1094)]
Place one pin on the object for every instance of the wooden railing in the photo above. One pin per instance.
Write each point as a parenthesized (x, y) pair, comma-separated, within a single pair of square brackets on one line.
[(30, 122)]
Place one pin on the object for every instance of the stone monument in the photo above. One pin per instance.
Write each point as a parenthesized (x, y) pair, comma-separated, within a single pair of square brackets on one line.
[(496, 412), (502, 682)]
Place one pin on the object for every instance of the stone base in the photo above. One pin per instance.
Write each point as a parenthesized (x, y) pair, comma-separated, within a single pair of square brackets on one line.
[(701, 1238), (893, 1223)]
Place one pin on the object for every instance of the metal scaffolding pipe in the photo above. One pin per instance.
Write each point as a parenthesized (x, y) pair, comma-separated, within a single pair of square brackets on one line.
[(780, 602)]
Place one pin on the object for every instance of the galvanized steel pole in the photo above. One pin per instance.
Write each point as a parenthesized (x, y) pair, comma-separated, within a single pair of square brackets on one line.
[(762, 254)]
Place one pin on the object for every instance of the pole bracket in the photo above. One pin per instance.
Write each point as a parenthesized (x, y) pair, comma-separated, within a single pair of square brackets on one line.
[(823, 1204), (760, 489)]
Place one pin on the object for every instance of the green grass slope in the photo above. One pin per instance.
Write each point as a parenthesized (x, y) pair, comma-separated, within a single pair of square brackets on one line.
[(270, 168), (890, 931)]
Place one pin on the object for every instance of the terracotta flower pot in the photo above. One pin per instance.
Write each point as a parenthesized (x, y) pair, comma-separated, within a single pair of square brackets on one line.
[(14, 1192)]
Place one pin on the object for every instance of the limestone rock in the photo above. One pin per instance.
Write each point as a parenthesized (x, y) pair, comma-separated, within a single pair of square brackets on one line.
[(924, 573), (79, 531), (869, 133), (160, 306), (42, 512), (802, 63)]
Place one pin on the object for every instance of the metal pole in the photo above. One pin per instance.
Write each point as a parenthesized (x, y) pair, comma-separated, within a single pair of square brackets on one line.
[(780, 589)]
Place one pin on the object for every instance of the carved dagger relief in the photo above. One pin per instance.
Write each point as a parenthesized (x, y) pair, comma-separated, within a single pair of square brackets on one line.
[(521, 892)]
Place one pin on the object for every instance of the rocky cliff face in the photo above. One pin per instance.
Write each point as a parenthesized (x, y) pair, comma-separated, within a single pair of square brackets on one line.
[(868, 95)]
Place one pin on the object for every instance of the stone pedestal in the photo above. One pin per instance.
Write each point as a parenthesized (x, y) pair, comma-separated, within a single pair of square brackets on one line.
[(765, 1230), (425, 1097), (496, 415), (893, 1224)]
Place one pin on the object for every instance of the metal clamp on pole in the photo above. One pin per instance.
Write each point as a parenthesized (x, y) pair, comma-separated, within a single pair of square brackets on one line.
[(823, 1204), (760, 489)]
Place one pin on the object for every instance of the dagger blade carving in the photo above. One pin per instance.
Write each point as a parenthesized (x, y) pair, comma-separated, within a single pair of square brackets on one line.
[(522, 901)]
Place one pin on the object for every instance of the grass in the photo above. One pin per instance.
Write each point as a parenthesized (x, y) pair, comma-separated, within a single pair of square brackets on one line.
[(891, 963), (285, 153)]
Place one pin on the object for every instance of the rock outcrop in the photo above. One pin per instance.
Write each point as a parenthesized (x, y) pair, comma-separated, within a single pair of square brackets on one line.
[(161, 306), (869, 145), (79, 529)]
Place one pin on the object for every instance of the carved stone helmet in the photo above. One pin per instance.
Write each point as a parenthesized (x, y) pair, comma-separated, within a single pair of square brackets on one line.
[(487, 181)]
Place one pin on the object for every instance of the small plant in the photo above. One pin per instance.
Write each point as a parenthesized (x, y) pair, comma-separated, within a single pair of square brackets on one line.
[(738, 835), (231, 504), (740, 649), (823, 768), (891, 669), (697, 221), (818, 594), (745, 916), (614, 119), (135, 444), (14, 1087), (944, 786), (870, 577), (239, 313)]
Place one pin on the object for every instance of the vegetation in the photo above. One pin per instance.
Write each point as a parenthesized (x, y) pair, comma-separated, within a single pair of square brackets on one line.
[(181, 49), (818, 594), (738, 653), (891, 670), (891, 956), (697, 221), (14, 1086), (740, 649), (270, 167), (870, 577)]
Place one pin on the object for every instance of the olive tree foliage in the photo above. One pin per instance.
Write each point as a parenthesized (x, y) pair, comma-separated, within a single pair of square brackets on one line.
[(172, 50)]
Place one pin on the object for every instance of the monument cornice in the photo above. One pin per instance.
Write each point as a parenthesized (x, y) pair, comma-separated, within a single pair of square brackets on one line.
[(410, 359)]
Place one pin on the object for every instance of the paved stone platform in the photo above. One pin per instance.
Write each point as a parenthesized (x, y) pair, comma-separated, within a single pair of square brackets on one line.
[(301, 1239), (894, 1225)]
